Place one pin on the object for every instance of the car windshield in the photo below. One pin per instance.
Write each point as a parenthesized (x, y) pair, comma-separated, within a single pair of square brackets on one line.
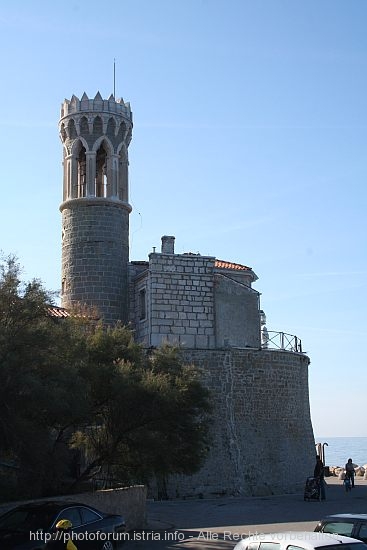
[(25, 519)]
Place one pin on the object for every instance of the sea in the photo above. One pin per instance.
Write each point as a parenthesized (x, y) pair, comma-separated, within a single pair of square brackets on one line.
[(339, 449)]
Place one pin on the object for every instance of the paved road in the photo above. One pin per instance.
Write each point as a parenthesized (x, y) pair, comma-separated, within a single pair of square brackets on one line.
[(217, 523)]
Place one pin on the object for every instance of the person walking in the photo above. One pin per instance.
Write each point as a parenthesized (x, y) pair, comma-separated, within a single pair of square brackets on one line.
[(319, 474), (349, 471)]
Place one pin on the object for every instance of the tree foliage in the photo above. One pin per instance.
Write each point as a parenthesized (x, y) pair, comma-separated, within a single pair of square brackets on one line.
[(151, 415), (79, 400)]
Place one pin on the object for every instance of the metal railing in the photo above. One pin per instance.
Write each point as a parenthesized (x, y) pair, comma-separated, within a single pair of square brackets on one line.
[(280, 340)]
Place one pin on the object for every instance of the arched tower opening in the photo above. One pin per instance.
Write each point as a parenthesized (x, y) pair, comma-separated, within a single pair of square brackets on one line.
[(95, 211), (101, 172), (82, 171), (71, 129)]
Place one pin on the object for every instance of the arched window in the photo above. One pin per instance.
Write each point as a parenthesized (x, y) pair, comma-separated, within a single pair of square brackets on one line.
[(97, 126), (111, 129), (84, 128), (82, 172), (63, 132), (101, 172), (71, 129), (121, 132), (123, 176)]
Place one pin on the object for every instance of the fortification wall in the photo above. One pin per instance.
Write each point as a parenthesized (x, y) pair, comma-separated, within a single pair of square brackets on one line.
[(262, 436)]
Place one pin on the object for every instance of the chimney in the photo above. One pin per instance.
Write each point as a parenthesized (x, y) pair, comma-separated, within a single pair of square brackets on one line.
[(168, 245)]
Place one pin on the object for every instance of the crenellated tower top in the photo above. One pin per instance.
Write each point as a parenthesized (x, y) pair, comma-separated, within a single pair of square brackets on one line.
[(85, 104), (96, 134)]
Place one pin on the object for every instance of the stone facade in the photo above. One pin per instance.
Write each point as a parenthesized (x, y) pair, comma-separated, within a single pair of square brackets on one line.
[(193, 301), (179, 301), (262, 438), (94, 257)]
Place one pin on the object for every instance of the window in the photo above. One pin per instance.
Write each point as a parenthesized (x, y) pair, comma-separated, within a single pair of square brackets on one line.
[(88, 516), (82, 167), (142, 304), (33, 519), (338, 527), (363, 532), (101, 173), (269, 546), (72, 514)]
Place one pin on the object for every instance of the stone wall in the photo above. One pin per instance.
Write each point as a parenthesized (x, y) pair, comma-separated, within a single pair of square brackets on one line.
[(262, 437), (95, 256), (191, 302), (140, 322), (181, 302), (236, 313), (129, 502)]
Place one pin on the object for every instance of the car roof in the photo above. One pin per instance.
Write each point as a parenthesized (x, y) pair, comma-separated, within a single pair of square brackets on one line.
[(345, 516), (307, 538), (50, 504)]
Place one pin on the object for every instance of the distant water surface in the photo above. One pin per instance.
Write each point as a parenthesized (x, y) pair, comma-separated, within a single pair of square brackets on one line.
[(339, 449)]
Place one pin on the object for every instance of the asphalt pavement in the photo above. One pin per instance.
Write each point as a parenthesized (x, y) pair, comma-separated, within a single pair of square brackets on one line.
[(210, 524)]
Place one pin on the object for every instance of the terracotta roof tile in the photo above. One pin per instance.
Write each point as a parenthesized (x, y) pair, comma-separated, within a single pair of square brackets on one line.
[(221, 264), (55, 311)]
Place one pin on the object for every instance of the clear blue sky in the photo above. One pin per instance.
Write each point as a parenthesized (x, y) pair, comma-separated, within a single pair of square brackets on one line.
[(249, 144)]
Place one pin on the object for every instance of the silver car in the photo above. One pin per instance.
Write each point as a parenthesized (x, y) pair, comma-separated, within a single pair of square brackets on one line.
[(299, 540)]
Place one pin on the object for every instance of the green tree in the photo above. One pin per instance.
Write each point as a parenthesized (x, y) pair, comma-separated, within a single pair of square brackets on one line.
[(151, 413), (39, 401), (72, 387)]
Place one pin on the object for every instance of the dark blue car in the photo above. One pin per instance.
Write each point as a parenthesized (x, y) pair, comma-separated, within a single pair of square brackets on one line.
[(30, 526)]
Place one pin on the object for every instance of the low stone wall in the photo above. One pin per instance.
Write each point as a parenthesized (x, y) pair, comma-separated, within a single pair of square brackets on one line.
[(339, 471), (129, 502)]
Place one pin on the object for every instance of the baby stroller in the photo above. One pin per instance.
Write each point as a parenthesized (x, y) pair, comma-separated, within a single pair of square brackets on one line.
[(312, 489)]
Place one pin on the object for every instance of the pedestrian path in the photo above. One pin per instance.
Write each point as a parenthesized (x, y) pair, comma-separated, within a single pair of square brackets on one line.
[(214, 524), (258, 511)]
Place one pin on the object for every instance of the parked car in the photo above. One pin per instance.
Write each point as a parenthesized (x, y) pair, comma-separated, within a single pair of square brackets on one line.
[(351, 525), (299, 540), (30, 526)]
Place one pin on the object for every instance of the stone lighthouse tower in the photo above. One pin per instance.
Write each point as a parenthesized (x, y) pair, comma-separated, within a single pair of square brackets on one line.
[(95, 210)]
